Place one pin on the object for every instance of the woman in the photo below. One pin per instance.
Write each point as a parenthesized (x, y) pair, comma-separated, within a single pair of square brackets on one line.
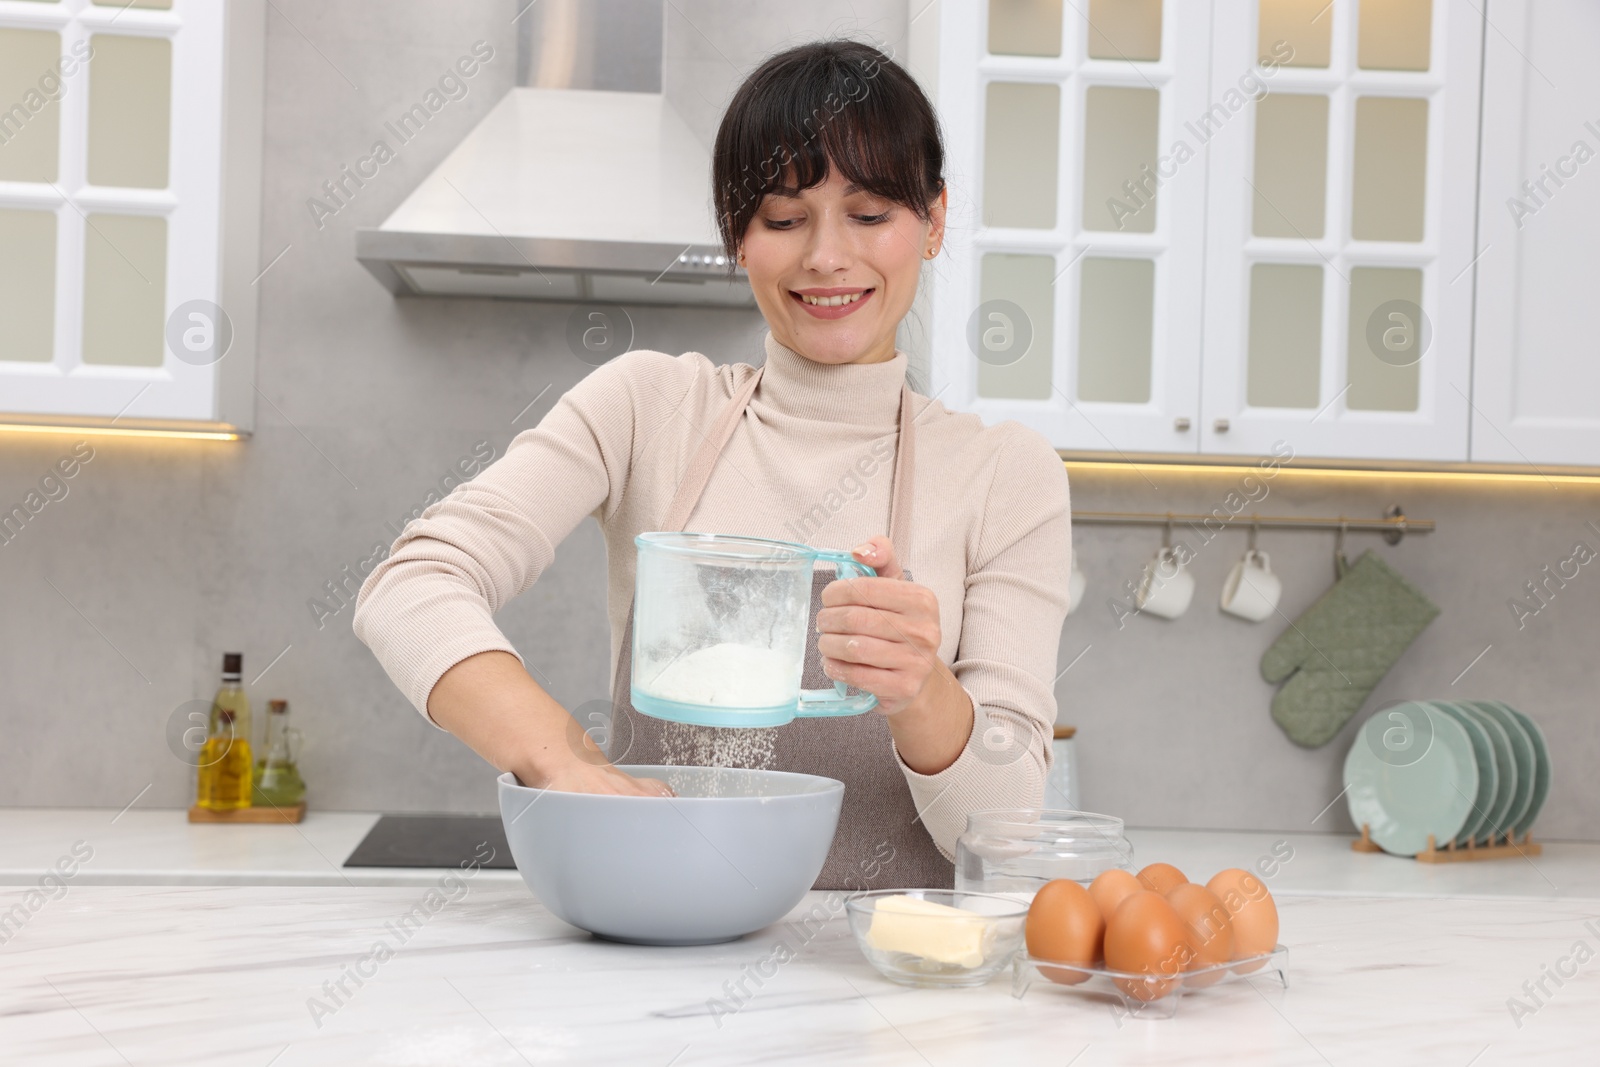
[(829, 190)]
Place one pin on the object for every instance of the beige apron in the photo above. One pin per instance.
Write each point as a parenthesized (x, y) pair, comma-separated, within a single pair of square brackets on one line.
[(881, 842)]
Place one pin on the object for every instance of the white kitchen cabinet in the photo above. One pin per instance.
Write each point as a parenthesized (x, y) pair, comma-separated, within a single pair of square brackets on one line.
[(1068, 298), (1339, 231), (1317, 291), (129, 200), (1536, 393)]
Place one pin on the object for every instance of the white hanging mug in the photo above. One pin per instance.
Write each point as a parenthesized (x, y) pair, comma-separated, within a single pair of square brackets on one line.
[(1076, 584), (1167, 586), (1252, 590)]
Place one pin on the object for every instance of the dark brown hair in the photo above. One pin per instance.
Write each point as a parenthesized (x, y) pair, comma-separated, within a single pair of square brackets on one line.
[(836, 100)]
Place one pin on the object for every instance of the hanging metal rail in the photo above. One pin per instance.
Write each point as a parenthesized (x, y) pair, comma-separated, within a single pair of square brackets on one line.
[(1394, 525)]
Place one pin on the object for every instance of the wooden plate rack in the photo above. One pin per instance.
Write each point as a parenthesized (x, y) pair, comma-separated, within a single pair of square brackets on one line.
[(1496, 850)]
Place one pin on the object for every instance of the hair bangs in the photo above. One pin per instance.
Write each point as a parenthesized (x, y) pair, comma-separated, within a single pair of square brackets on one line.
[(830, 103)]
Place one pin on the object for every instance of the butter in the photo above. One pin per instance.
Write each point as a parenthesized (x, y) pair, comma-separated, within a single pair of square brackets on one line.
[(935, 932)]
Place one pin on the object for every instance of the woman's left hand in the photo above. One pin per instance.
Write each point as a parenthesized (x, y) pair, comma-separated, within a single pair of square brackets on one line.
[(880, 634)]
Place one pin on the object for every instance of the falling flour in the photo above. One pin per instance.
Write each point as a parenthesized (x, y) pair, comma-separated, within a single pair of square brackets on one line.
[(726, 675), (698, 749)]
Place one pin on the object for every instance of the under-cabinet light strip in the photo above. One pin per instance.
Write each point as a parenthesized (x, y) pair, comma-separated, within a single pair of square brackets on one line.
[(118, 431)]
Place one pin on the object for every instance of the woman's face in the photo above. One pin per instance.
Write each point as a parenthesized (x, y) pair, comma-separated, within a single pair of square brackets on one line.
[(834, 239)]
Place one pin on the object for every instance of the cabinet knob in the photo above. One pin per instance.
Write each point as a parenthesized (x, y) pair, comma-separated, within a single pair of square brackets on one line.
[(1221, 426), (1181, 424)]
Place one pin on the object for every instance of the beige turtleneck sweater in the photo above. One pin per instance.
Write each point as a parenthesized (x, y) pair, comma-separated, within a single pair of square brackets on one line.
[(811, 461)]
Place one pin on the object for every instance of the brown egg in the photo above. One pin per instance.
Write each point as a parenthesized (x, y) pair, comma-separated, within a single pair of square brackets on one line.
[(1064, 924), (1254, 915), (1111, 888), (1146, 936), (1161, 878), (1210, 929)]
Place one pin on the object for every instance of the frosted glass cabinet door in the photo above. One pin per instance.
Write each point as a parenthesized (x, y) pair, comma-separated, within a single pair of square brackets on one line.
[(30, 129), (113, 201), (1340, 226), (130, 111), (1536, 388), (1069, 294), (1022, 153), (27, 285)]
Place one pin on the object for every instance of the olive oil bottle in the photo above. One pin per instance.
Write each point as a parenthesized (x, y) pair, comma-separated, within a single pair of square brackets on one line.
[(226, 770), (277, 782), (225, 767)]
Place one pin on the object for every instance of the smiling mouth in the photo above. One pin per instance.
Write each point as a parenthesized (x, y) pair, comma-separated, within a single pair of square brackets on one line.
[(830, 301), (832, 307)]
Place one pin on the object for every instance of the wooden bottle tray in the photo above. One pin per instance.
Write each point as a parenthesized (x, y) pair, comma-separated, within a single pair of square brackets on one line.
[(1451, 854), (254, 815)]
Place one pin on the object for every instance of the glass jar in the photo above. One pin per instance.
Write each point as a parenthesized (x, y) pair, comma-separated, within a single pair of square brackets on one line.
[(1016, 850), (1061, 786)]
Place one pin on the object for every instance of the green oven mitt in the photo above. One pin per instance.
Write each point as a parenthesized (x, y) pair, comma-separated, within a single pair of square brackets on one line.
[(1343, 645)]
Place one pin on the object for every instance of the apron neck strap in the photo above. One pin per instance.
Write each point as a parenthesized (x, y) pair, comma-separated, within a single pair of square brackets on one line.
[(705, 457), (905, 456), (711, 445)]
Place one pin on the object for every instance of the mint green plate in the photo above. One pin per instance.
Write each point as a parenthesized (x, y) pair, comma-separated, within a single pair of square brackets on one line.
[(1488, 774), (1411, 774), (1541, 770), (1522, 755), (1506, 774)]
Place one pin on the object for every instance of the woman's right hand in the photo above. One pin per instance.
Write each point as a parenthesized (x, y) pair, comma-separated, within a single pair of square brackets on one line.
[(490, 702), (582, 777), (588, 771)]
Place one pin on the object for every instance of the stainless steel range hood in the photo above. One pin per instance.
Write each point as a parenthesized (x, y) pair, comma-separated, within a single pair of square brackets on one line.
[(596, 192)]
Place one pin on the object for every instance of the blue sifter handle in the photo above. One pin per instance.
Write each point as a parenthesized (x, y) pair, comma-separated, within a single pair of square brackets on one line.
[(820, 703)]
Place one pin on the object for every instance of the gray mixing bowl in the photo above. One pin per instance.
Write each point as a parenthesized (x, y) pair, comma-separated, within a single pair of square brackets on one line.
[(732, 853)]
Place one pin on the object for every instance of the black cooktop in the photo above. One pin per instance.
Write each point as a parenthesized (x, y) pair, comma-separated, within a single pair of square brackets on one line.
[(434, 841)]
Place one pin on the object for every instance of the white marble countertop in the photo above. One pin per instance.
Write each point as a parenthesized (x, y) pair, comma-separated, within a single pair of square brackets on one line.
[(1390, 961), (161, 847), (249, 975)]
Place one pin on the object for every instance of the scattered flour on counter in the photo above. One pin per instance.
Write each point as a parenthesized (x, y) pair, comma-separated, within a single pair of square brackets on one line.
[(729, 675)]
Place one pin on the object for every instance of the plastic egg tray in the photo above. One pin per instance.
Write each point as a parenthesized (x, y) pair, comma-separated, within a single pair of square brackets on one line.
[(1141, 996)]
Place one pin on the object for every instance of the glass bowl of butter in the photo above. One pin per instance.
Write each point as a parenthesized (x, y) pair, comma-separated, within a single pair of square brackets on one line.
[(936, 937)]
